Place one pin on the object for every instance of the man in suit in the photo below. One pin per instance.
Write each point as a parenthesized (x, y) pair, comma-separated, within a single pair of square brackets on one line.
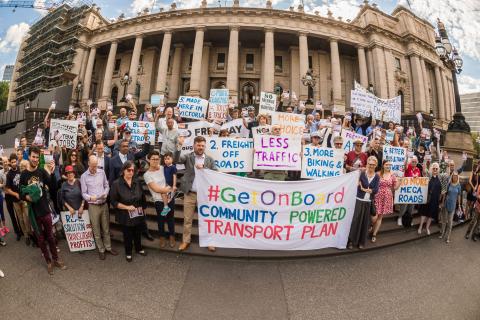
[(103, 159), (116, 163), (196, 159)]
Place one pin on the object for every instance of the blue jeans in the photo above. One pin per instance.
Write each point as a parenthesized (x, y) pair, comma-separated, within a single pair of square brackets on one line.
[(169, 219), (2, 215)]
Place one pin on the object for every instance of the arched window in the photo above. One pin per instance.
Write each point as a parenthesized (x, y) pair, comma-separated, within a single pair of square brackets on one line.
[(278, 89), (186, 86), (402, 100), (248, 92), (114, 95), (219, 85)]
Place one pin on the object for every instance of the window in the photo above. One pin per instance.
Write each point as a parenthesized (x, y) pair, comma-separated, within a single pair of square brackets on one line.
[(402, 100), (220, 61), (137, 91), (190, 62), (310, 62), (278, 64), (398, 65), (249, 60), (117, 65), (140, 61)]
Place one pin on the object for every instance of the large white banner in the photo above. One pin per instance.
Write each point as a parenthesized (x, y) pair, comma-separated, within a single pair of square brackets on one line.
[(78, 231), (231, 154), (277, 153), (365, 103), (137, 128), (320, 163), (64, 133), (236, 128), (193, 129), (237, 212), (192, 107)]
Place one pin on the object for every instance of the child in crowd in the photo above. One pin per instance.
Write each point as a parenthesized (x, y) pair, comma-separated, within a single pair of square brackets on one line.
[(170, 173)]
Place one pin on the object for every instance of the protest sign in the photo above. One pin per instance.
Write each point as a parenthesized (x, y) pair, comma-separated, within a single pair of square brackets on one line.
[(412, 191), (236, 128), (268, 103), (192, 107), (137, 128), (234, 212), (396, 155), (389, 136), (277, 152), (64, 132), (157, 100), (78, 231), (194, 129), (290, 123), (261, 130), (349, 137), (218, 105), (387, 109), (361, 102), (231, 154), (319, 163)]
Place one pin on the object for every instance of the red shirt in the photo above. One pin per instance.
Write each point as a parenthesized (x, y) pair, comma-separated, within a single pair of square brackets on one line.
[(412, 171), (352, 157)]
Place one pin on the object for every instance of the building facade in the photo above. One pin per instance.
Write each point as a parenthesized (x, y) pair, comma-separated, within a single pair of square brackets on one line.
[(8, 72), (249, 50), (471, 110)]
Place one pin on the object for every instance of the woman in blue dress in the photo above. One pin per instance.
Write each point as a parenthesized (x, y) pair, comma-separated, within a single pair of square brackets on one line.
[(453, 195)]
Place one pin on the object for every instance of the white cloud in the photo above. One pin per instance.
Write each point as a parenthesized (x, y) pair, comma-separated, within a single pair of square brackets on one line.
[(468, 84), (139, 5), (460, 19), (347, 9), (40, 4), (13, 37)]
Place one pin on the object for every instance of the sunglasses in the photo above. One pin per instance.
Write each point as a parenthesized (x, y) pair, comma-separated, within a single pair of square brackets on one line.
[(130, 170), (434, 168), (338, 144)]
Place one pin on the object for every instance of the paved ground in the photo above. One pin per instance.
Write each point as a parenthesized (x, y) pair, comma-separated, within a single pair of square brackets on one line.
[(426, 279)]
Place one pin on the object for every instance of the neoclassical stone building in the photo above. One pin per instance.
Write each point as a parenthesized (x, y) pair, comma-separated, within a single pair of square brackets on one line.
[(249, 50)]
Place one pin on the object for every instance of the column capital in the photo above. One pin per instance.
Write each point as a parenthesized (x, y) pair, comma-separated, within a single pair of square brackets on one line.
[(201, 28), (234, 28), (114, 41), (139, 36), (302, 33), (269, 29), (291, 48), (178, 45), (93, 46), (167, 31), (360, 47), (333, 39)]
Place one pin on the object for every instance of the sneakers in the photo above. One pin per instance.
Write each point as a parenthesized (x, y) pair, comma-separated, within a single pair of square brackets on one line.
[(2, 243), (50, 268), (399, 221), (2, 275), (59, 264), (165, 211)]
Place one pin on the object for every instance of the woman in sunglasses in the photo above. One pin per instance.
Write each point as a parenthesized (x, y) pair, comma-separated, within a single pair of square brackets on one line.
[(430, 210), (127, 197), (73, 159)]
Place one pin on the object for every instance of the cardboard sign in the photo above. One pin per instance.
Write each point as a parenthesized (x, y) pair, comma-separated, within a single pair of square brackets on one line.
[(218, 105), (397, 156), (157, 100), (231, 154), (261, 130), (268, 103), (137, 128), (349, 137), (64, 133), (277, 153), (412, 191), (290, 123), (237, 212), (192, 107), (78, 231), (320, 163), (236, 128)]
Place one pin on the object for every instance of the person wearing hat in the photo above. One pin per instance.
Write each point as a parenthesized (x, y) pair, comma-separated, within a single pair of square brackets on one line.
[(71, 194), (127, 136), (315, 139), (356, 159)]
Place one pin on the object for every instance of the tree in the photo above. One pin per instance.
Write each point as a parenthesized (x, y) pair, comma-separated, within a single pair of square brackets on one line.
[(4, 85), (476, 144)]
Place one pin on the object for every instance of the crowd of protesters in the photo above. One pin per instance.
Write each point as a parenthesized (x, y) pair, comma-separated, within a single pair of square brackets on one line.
[(108, 171)]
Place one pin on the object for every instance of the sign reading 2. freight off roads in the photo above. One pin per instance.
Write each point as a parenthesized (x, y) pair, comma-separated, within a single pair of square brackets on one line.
[(231, 154), (234, 212)]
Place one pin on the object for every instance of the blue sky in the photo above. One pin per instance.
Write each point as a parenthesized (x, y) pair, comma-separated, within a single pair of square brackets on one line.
[(460, 17)]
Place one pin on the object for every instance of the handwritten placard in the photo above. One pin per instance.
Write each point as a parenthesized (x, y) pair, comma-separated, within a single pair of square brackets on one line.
[(231, 154), (137, 128), (192, 107), (396, 155), (236, 128), (78, 231), (64, 132), (268, 103), (290, 123), (218, 105), (277, 152), (412, 191), (349, 137), (320, 163)]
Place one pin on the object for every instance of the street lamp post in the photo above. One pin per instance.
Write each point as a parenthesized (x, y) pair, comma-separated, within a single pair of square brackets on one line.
[(309, 81), (125, 82), (452, 60)]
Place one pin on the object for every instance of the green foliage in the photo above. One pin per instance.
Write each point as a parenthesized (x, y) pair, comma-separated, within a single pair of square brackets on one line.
[(476, 144), (4, 85)]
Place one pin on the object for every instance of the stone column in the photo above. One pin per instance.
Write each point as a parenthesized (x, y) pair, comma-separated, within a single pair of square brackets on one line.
[(176, 69), (262, 68), (381, 89), (163, 63), (441, 102), (390, 68), (425, 84), (362, 66), (303, 59), (195, 76), (107, 80), (418, 88), (294, 71), (232, 65), (336, 76), (137, 50), (269, 62), (88, 73), (205, 73)]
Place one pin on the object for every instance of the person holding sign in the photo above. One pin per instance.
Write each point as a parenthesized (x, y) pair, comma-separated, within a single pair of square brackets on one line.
[(384, 198), (71, 194), (367, 189), (195, 160), (356, 159), (128, 199), (276, 175)]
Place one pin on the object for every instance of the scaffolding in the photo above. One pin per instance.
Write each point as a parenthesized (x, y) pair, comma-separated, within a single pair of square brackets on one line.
[(49, 51)]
